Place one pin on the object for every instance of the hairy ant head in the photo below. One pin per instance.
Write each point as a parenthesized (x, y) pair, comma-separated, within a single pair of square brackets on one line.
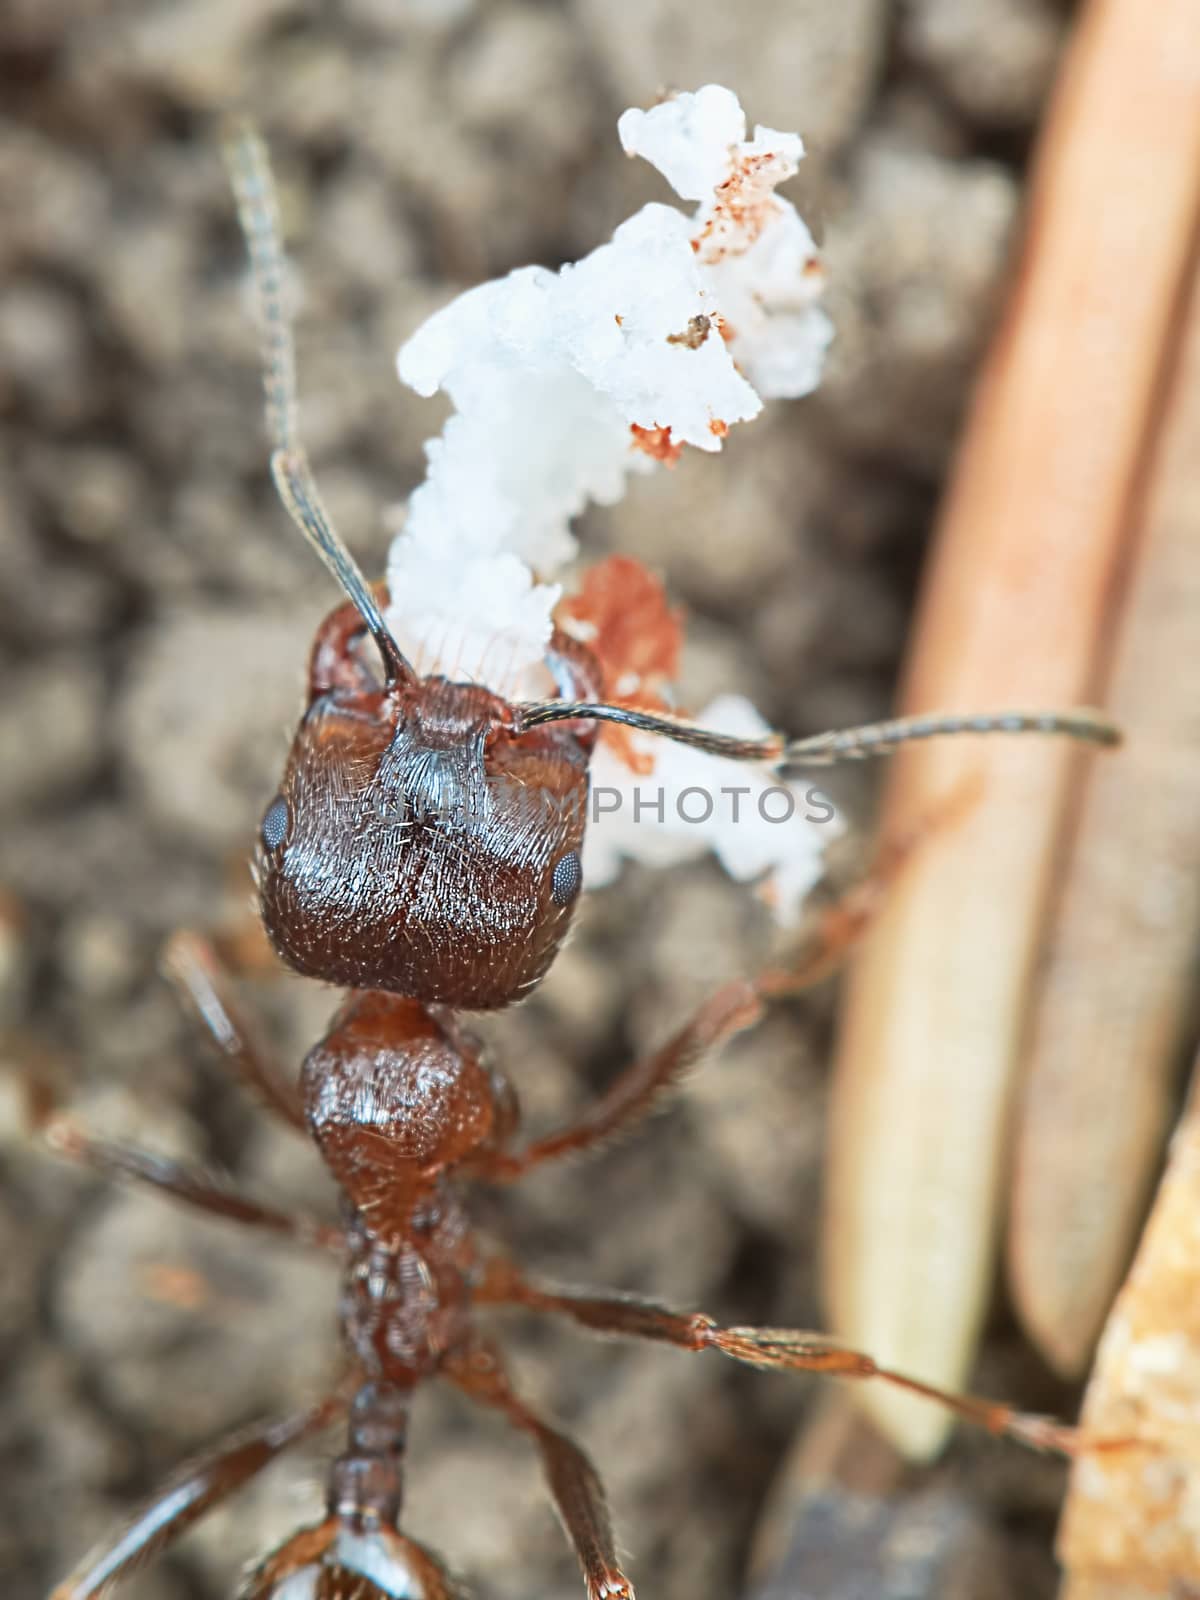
[(420, 841)]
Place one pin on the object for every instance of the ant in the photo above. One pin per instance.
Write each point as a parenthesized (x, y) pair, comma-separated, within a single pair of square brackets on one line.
[(422, 920)]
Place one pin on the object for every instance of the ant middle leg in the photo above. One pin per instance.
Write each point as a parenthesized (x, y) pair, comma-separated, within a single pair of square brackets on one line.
[(194, 968), (733, 1009), (574, 1482), (773, 1349), (199, 1487), (191, 1185)]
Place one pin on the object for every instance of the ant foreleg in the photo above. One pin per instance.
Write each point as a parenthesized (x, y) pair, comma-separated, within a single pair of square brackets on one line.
[(192, 965), (194, 1491), (774, 1349), (735, 1007), (574, 1483), (191, 1185)]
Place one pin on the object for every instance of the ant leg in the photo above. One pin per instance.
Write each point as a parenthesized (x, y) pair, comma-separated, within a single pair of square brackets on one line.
[(193, 1492), (734, 1008), (774, 1349), (192, 965), (194, 1187), (574, 1483)]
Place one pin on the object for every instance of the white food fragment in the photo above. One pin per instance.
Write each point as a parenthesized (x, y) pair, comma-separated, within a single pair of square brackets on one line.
[(484, 621), (759, 828), (768, 295), (564, 382), (688, 137), (758, 256)]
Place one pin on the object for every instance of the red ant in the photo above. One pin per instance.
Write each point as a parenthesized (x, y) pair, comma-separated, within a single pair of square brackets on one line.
[(402, 860)]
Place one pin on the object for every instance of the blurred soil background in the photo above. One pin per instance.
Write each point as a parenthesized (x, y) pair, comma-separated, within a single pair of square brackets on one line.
[(155, 610)]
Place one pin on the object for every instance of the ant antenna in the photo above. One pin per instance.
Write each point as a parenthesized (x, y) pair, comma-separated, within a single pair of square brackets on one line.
[(258, 211), (828, 749)]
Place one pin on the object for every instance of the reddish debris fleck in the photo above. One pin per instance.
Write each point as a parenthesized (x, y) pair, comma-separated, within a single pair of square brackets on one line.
[(694, 335), (745, 204), (636, 637), (173, 1285), (718, 428), (657, 443)]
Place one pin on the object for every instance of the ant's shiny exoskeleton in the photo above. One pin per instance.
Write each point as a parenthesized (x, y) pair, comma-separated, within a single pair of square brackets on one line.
[(402, 860)]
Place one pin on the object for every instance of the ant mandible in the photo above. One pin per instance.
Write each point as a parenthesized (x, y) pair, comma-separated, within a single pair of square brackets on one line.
[(402, 860)]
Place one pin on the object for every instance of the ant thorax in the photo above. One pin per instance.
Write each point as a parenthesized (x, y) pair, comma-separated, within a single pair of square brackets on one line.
[(383, 1061)]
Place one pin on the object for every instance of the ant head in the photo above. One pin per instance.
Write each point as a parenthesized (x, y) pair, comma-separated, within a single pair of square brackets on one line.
[(420, 842)]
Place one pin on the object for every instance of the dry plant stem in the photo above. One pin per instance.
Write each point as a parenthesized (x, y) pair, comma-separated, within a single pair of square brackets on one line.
[(1014, 611), (1117, 990), (1129, 1531)]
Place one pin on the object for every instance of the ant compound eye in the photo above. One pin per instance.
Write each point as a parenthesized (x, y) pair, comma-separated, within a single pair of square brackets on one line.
[(567, 880), (275, 823)]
